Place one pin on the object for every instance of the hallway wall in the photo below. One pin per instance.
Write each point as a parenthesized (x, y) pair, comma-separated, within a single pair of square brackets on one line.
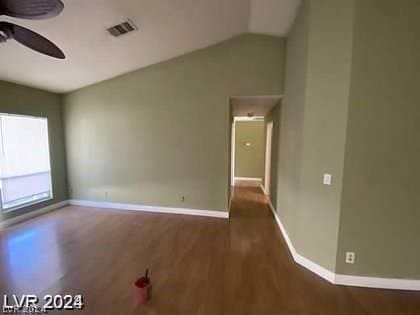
[(351, 110), (249, 160), (312, 119), (380, 210), (274, 116)]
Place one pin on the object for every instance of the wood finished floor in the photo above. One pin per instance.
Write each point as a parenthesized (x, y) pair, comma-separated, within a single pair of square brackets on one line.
[(204, 266)]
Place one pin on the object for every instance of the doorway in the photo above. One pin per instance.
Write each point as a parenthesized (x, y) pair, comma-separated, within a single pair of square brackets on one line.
[(253, 167), (248, 149)]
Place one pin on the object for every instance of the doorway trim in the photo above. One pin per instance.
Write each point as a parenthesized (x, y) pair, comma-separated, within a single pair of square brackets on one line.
[(268, 153), (232, 155), (233, 147)]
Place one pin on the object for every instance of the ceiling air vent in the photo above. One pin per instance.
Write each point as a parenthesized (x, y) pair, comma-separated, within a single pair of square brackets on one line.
[(123, 28)]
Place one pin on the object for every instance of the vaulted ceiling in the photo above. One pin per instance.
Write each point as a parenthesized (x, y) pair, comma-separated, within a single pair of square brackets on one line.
[(167, 28)]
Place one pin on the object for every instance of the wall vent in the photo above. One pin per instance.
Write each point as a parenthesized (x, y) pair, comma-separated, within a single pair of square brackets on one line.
[(123, 28)]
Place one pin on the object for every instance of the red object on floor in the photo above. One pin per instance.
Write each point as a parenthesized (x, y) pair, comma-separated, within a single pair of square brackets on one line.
[(143, 288)]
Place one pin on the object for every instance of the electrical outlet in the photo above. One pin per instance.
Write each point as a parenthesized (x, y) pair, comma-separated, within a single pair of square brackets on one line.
[(350, 257), (327, 179)]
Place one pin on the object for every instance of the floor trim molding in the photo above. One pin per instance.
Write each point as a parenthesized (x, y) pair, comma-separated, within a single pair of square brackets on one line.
[(347, 280), (263, 189), (381, 283), (32, 214), (249, 178), (301, 260), (144, 208), (248, 181)]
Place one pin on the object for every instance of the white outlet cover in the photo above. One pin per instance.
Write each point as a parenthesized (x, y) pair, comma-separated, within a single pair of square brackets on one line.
[(327, 179), (350, 257)]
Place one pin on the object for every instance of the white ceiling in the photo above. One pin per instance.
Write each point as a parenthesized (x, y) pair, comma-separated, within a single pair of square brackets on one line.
[(273, 17), (167, 28), (255, 105)]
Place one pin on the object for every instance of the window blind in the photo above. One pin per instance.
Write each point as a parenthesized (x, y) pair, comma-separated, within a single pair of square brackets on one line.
[(25, 174)]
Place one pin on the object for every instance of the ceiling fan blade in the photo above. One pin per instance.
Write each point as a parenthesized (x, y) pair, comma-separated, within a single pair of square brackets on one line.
[(31, 9), (31, 40)]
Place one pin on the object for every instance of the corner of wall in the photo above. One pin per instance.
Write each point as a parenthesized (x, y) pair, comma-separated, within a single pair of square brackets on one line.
[(317, 86), (62, 98)]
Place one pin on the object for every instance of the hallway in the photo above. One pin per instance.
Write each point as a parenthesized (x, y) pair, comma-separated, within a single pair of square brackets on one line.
[(198, 265)]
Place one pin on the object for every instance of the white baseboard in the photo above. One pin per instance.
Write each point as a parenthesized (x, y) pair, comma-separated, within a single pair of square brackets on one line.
[(381, 283), (33, 214), (347, 280), (283, 231), (263, 189), (248, 181), (111, 205), (315, 268), (156, 209)]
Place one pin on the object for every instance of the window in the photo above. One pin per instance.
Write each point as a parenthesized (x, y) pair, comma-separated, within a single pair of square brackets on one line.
[(25, 173)]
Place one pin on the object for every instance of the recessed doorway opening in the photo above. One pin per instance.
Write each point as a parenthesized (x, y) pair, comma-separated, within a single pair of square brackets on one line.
[(251, 141)]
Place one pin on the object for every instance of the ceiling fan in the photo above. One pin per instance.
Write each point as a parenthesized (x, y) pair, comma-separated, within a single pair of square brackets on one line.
[(33, 10)]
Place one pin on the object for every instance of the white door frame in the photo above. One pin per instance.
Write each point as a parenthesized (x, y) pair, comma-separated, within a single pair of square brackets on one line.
[(268, 150), (232, 157)]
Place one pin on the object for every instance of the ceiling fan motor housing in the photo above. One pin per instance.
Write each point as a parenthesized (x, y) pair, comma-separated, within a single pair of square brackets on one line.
[(30, 9)]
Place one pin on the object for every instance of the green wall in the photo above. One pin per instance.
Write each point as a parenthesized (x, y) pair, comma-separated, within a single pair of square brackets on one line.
[(162, 132), (381, 202), (324, 120), (312, 127), (351, 109), (22, 100), (273, 117), (288, 140), (249, 160)]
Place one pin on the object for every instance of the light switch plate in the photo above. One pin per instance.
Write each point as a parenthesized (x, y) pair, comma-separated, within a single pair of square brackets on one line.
[(327, 179)]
